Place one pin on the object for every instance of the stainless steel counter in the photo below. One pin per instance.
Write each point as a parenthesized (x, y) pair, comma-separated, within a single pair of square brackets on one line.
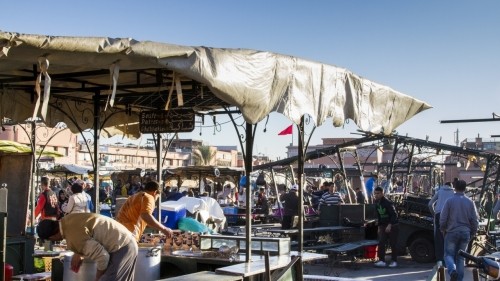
[(204, 276), (257, 266)]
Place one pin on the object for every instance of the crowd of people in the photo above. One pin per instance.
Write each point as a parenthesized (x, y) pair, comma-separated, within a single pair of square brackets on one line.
[(65, 213), (111, 243)]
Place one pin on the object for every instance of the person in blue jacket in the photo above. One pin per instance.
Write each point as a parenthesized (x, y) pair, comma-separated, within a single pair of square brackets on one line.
[(370, 185)]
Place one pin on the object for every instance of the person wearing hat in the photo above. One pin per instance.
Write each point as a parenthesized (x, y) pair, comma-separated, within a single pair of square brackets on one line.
[(137, 211), (97, 238), (290, 207)]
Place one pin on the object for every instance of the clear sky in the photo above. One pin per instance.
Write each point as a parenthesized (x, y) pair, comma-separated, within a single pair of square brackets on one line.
[(446, 53)]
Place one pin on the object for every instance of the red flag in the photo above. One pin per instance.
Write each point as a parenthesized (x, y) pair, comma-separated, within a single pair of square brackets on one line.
[(287, 131)]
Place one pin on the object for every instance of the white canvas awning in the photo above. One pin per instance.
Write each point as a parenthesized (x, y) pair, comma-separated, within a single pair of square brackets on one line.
[(133, 76)]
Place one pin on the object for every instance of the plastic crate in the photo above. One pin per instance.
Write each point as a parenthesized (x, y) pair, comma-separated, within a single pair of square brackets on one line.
[(47, 261)]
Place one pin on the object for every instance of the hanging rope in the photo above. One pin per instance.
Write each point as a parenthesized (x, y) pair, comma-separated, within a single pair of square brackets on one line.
[(265, 125)]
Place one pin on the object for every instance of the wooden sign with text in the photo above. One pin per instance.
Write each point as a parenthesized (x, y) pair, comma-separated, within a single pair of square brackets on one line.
[(176, 120)]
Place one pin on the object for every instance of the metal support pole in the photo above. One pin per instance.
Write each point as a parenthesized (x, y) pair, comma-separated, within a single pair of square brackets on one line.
[(300, 173), (409, 177), (342, 168), (485, 179), (276, 191), (159, 168), (391, 167), (34, 177), (249, 199), (97, 131), (3, 228)]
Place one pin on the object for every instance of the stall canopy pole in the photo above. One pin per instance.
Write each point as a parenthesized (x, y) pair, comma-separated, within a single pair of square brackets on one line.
[(409, 177), (248, 191), (159, 168), (276, 191), (391, 167), (97, 130), (34, 176), (300, 173)]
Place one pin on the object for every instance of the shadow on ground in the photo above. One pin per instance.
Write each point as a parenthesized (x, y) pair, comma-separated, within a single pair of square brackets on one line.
[(363, 269)]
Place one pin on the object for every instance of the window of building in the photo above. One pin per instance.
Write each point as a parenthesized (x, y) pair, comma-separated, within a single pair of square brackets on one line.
[(489, 146)]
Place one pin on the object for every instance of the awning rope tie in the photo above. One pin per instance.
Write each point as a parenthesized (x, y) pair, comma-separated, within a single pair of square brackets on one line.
[(176, 81), (170, 92), (44, 66), (178, 88)]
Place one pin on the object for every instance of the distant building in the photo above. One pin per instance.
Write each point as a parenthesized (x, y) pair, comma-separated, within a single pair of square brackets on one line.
[(179, 154), (60, 140), (478, 143), (118, 156)]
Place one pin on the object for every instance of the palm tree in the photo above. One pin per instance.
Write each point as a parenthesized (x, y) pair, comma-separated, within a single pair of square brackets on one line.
[(203, 155)]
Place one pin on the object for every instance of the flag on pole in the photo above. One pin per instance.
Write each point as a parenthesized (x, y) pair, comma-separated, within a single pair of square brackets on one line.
[(287, 131)]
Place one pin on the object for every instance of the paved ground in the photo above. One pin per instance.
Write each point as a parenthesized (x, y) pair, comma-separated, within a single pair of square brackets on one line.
[(407, 270)]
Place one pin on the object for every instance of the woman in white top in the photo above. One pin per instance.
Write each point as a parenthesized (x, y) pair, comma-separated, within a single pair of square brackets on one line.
[(78, 202)]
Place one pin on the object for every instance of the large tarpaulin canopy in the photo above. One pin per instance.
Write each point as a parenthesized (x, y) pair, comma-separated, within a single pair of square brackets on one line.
[(57, 78)]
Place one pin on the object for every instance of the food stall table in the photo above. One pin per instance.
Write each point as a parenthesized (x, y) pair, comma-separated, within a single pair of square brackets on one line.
[(258, 266), (33, 277), (287, 232), (204, 276)]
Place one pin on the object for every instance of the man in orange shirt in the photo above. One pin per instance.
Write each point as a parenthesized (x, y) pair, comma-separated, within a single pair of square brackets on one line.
[(47, 205), (137, 211)]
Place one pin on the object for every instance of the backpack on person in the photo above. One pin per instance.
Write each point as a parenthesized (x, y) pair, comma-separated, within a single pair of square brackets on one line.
[(51, 207)]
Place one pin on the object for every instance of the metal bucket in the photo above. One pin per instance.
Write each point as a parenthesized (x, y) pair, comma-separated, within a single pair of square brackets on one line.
[(148, 263), (87, 271)]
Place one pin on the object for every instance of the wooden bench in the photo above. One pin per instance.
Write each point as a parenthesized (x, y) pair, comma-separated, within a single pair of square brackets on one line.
[(352, 246), (310, 245), (349, 250)]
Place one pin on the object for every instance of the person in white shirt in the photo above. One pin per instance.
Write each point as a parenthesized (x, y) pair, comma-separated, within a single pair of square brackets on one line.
[(78, 202), (242, 197)]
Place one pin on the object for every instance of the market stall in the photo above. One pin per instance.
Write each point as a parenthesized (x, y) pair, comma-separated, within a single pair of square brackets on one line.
[(72, 75)]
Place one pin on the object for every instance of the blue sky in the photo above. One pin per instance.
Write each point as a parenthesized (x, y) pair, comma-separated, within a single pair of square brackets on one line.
[(446, 53)]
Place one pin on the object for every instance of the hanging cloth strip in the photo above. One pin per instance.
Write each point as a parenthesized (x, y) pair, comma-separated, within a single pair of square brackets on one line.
[(176, 81), (114, 73), (44, 66)]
